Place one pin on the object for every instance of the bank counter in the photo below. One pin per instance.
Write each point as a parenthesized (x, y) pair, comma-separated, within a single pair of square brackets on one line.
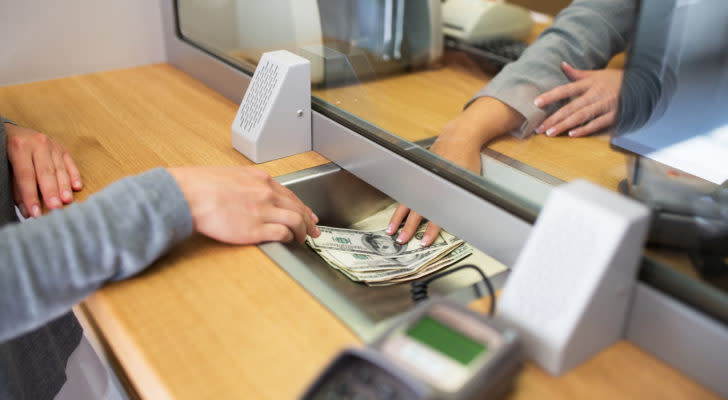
[(214, 321)]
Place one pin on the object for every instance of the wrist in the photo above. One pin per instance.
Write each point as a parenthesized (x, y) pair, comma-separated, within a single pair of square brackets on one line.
[(493, 116), (179, 174), (487, 118)]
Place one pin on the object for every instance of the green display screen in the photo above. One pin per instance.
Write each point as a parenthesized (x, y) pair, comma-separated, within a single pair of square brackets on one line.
[(445, 340)]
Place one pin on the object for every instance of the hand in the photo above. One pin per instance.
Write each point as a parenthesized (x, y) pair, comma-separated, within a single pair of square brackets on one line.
[(243, 205), (460, 142), (39, 162), (593, 104)]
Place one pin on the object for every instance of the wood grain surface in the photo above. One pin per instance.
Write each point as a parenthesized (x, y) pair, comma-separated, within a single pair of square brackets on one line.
[(213, 321)]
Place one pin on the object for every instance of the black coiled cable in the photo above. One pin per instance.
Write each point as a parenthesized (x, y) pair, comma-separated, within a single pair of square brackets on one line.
[(419, 288)]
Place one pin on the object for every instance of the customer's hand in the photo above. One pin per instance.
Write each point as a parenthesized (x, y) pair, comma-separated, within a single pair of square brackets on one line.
[(39, 162), (460, 142), (593, 104), (241, 205)]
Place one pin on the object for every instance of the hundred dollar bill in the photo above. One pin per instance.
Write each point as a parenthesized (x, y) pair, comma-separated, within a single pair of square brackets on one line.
[(357, 262), (406, 274), (374, 242), (355, 275), (452, 258), (383, 278)]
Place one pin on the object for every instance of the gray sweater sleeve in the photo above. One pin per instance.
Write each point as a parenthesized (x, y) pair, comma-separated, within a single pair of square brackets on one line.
[(51, 263), (586, 35)]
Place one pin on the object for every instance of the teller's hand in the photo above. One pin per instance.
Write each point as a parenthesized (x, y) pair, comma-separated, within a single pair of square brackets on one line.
[(460, 142), (593, 104)]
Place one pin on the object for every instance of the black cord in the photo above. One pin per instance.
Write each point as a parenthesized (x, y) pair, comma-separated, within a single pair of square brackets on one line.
[(419, 288)]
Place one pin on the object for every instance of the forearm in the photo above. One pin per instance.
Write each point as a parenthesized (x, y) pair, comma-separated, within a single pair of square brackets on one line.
[(51, 263), (586, 35), (484, 120)]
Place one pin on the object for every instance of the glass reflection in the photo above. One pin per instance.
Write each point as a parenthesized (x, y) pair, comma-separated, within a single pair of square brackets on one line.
[(673, 119), (410, 67)]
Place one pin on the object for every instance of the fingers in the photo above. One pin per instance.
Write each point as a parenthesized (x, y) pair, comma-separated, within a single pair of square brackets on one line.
[(26, 187), (274, 233), (563, 92), (243, 205), (549, 126), (45, 171), (24, 210), (573, 73), (430, 234), (410, 226), (560, 93), (73, 173), (40, 164), (590, 110), (397, 218), (578, 117), (288, 200), (301, 211), (292, 220), (595, 125), (63, 180)]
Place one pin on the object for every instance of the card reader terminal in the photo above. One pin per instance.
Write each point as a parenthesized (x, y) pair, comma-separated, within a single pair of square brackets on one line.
[(438, 350)]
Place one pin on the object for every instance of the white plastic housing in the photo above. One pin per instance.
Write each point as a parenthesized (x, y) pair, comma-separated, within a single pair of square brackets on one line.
[(274, 118), (569, 291)]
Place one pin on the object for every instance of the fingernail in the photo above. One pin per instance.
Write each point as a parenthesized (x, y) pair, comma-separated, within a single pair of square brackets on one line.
[(550, 131), (35, 211), (317, 231), (540, 129), (67, 195), (401, 238), (314, 217), (538, 102), (23, 210), (425, 240), (77, 184), (572, 133), (390, 229), (54, 202)]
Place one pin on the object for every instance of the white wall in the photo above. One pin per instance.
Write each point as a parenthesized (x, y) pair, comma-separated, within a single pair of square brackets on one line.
[(46, 39)]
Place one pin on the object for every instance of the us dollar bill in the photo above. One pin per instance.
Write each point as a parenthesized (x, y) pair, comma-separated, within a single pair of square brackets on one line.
[(390, 277), (357, 262), (376, 242), (365, 253), (384, 278), (452, 258), (388, 274)]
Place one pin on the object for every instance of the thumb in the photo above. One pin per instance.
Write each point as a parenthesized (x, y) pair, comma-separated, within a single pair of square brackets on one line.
[(573, 73)]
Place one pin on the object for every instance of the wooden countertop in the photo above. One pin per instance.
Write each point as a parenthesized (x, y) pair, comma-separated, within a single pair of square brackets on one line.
[(213, 321)]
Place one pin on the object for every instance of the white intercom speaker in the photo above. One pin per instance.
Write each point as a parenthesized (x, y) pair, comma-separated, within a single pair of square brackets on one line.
[(570, 289), (274, 118)]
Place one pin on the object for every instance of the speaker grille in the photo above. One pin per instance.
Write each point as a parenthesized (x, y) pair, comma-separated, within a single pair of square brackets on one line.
[(258, 96)]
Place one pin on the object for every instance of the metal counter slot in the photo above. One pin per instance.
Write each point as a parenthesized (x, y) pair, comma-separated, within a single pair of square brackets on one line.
[(340, 199)]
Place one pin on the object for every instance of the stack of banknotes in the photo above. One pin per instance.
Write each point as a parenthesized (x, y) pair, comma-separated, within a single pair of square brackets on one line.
[(374, 258)]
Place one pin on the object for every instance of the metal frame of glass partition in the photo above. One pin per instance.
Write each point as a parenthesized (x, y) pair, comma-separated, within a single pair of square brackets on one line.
[(695, 317)]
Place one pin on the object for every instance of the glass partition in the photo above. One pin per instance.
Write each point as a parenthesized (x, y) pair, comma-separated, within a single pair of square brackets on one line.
[(672, 119), (399, 71)]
